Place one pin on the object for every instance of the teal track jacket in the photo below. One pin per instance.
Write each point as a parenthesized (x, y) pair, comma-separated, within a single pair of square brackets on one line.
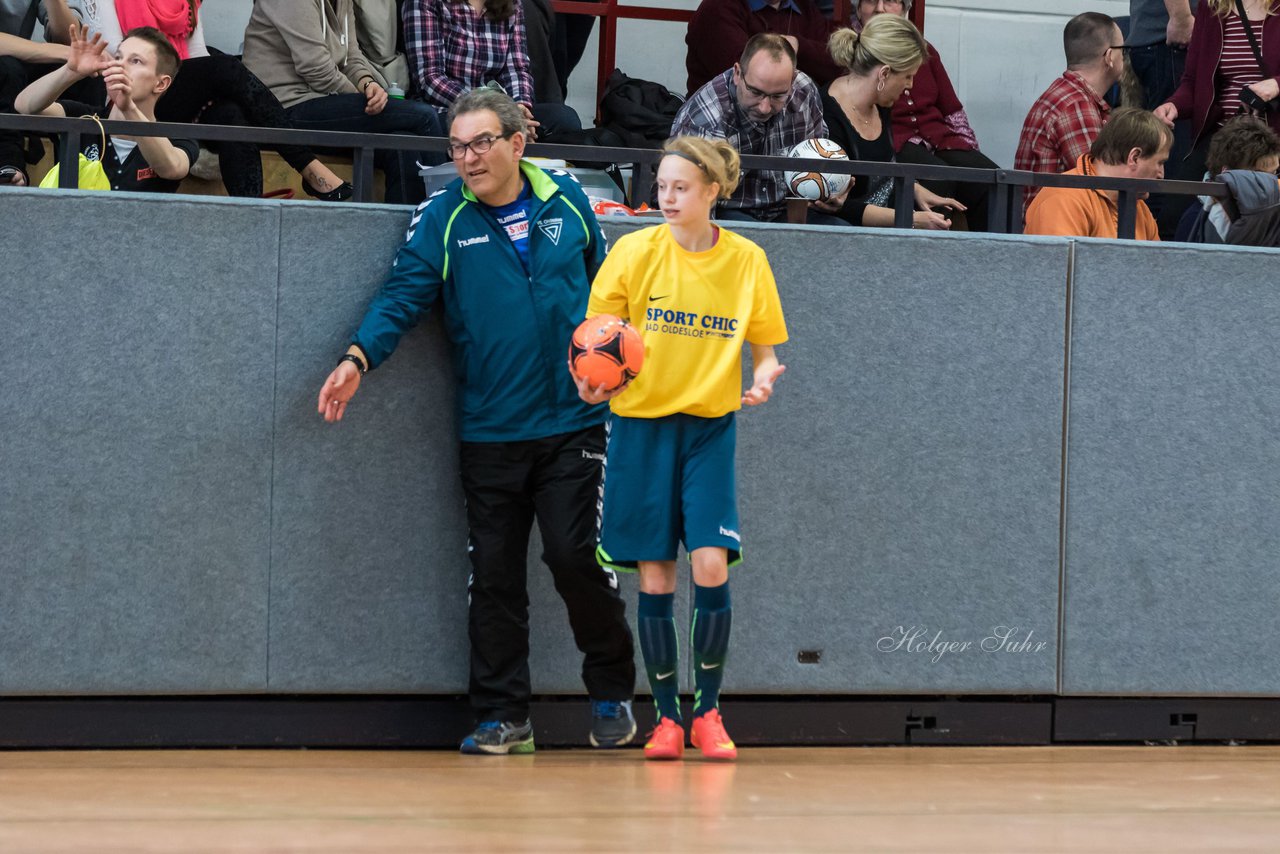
[(509, 329)]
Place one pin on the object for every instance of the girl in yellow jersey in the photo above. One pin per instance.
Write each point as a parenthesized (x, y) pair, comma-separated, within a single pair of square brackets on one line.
[(696, 293)]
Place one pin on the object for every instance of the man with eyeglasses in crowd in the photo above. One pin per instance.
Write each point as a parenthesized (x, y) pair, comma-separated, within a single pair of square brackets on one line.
[(508, 252), (1068, 116), (762, 105)]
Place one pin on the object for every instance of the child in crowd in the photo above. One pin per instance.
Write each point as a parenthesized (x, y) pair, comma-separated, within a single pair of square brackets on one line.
[(1244, 144), (135, 80)]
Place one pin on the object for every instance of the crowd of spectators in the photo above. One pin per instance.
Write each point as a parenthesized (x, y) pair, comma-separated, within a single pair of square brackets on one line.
[(930, 125), (763, 75), (305, 53), (309, 64)]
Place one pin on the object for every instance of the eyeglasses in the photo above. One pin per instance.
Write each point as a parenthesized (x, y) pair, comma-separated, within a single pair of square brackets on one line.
[(480, 145), (778, 98), (1123, 48), (888, 4)]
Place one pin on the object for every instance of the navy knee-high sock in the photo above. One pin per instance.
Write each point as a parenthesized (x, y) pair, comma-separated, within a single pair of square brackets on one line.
[(712, 619), (661, 650)]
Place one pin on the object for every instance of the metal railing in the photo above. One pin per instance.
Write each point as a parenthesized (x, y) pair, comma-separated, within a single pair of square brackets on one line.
[(1004, 200)]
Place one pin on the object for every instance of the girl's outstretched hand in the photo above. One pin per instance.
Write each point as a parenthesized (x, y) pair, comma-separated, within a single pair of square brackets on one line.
[(763, 387)]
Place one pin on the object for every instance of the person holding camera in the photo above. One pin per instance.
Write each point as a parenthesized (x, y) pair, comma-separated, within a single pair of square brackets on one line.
[(1232, 61)]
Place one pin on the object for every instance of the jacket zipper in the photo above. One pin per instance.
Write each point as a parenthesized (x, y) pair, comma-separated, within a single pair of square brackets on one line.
[(1204, 120), (548, 363), (535, 211)]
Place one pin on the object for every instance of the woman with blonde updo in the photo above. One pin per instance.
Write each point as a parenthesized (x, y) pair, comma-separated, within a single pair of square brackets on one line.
[(881, 62), (696, 292), (930, 125)]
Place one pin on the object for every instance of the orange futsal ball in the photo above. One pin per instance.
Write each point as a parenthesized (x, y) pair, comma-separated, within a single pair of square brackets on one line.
[(606, 351)]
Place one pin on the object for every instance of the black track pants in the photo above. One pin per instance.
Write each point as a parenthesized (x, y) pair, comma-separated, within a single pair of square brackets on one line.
[(508, 485)]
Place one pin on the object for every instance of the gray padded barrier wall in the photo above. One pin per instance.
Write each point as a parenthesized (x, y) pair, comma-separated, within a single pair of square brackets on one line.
[(175, 518), (369, 561), (136, 433), (900, 492), (1173, 545), (368, 552)]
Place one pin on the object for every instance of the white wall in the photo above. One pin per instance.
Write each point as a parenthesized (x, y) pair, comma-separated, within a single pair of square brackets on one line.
[(224, 22), (1000, 54)]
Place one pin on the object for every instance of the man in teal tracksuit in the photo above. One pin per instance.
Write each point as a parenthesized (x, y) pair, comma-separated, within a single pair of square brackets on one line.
[(509, 252)]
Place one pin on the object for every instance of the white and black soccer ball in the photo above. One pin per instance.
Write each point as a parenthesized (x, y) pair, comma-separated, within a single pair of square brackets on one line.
[(816, 186)]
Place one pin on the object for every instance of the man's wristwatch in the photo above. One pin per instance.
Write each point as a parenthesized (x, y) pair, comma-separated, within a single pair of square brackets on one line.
[(355, 360)]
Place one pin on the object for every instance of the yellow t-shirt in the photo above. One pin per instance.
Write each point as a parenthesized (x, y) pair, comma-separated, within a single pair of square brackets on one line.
[(694, 310)]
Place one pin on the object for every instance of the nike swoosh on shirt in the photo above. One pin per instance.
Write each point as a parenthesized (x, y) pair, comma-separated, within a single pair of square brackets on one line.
[(706, 666), (664, 296), (666, 675)]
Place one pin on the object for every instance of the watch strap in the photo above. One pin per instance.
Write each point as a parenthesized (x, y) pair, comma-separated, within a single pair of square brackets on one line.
[(355, 360)]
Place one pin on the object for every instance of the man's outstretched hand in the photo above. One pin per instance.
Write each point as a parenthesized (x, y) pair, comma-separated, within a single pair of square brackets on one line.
[(338, 390)]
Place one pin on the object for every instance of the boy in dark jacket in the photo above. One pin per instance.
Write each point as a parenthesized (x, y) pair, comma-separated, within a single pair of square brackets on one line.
[(1244, 146)]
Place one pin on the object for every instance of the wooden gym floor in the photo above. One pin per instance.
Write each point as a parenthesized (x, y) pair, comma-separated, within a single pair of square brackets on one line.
[(913, 799)]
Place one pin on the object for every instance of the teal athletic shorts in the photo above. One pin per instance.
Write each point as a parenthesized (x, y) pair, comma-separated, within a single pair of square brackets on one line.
[(668, 481)]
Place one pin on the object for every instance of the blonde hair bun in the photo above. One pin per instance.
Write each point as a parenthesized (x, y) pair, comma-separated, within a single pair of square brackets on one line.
[(717, 159)]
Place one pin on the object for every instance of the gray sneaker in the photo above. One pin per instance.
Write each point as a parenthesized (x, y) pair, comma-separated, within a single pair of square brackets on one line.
[(612, 724), (500, 737)]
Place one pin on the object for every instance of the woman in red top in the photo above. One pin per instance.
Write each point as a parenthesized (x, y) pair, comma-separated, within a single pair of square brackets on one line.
[(930, 125), (1220, 66)]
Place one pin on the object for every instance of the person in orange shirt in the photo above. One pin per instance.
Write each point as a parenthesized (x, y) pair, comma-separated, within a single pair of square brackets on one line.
[(1133, 144)]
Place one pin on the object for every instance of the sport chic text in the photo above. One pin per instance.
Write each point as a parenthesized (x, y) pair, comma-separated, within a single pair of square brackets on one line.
[(689, 323)]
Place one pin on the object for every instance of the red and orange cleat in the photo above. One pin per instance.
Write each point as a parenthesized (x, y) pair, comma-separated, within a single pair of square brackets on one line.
[(709, 736), (666, 741)]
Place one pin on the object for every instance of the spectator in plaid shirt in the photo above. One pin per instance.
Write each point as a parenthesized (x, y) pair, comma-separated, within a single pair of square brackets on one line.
[(455, 46), (762, 105), (1067, 118)]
